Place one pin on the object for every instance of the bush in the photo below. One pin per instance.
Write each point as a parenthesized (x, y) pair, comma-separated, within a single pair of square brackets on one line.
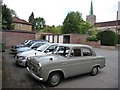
[(92, 38), (118, 39), (107, 38)]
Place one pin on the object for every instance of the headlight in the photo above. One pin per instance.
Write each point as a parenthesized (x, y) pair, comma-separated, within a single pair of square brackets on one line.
[(21, 57), (39, 67)]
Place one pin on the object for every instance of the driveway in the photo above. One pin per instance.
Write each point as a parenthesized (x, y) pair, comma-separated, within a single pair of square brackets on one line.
[(17, 77)]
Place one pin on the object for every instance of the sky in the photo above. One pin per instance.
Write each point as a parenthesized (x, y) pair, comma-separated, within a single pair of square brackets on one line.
[(55, 11)]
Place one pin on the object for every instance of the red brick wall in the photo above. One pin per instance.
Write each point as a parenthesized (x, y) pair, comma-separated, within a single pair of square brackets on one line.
[(78, 38), (16, 37), (94, 44)]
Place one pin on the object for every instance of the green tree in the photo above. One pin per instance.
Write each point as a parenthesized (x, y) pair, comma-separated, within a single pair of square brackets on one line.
[(84, 27), (39, 23), (31, 20), (6, 18), (53, 29), (74, 23), (92, 31)]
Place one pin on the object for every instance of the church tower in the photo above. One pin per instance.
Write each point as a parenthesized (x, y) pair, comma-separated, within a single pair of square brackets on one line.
[(91, 18)]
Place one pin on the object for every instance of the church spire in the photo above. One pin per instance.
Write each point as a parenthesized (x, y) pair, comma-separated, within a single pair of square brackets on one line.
[(91, 8)]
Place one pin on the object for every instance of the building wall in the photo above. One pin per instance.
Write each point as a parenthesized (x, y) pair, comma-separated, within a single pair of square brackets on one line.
[(16, 37), (112, 28), (91, 19), (77, 38), (19, 26), (119, 10)]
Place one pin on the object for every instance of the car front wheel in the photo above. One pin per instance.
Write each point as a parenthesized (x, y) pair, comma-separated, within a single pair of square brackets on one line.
[(94, 71), (54, 79)]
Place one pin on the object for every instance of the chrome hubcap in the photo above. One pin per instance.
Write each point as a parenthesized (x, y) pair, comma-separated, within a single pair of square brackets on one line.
[(55, 79)]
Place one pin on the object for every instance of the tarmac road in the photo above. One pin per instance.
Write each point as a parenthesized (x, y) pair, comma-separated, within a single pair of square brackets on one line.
[(18, 77)]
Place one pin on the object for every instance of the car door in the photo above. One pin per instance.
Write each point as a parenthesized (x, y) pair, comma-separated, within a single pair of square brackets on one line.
[(75, 62), (88, 59)]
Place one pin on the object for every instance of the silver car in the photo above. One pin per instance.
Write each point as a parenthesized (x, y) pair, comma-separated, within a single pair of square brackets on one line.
[(47, 48), (69, 60)]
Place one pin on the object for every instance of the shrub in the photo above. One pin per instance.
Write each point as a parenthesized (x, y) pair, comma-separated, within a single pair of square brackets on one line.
[(107, 37), (92, 38)]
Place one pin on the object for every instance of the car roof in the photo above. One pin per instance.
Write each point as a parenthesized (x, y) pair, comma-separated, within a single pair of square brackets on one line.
[(75, 45)]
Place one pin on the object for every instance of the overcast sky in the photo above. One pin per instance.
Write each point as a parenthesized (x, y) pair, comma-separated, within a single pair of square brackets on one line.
[(55, 11)]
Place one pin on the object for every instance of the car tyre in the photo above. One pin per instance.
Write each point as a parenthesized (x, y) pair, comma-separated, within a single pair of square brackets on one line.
[(94, 71), (54, 79)]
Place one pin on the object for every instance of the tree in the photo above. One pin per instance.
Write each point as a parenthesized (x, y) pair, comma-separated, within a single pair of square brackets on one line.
[(39, 23), (13, 13), (74, 23), (31, 20), (53, 29), (6, 18)]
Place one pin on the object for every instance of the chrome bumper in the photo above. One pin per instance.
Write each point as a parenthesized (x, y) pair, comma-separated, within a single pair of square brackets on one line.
[(20, 62), (35, 76)]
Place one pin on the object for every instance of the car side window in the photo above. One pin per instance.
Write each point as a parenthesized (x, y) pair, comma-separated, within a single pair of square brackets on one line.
[(86, 52), (63, 51), (75, 53)]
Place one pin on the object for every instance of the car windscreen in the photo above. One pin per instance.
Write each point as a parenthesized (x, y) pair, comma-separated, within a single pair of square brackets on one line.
[(29, 44), (43, 47), (25, 42)]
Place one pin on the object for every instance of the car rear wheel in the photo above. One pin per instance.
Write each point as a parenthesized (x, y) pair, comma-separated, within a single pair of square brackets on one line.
[(54, 79), (94, 71)]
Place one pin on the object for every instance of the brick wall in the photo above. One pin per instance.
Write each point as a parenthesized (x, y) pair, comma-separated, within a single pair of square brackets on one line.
[(95, 44), (16, 37), (78, 38)]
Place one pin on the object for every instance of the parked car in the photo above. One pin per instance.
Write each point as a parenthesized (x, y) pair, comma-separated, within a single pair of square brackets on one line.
[(27, 46), (47, 48), (13, 48), (35, 45), (70, 60)]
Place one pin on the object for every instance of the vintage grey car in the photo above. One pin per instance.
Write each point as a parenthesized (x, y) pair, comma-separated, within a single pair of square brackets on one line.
[(69, 60)]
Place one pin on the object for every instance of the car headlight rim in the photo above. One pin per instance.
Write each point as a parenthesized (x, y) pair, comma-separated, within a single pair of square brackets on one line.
[(21, 57)]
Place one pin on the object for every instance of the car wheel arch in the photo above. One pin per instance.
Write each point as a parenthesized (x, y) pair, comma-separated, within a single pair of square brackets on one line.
[(96, 65), (61, 72)]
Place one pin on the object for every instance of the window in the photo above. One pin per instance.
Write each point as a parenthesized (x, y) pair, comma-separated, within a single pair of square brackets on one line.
[(51, 48), (20, 25), (86, 52), (75, 53), (63, 51)]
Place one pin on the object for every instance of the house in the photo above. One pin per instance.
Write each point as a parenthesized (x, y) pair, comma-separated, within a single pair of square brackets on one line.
[(20, 24)]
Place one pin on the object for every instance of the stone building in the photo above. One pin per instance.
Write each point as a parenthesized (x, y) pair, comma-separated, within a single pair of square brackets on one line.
[(108, 25), (91, 18)]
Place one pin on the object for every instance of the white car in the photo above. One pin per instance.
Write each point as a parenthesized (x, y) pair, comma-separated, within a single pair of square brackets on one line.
[(47, 48)]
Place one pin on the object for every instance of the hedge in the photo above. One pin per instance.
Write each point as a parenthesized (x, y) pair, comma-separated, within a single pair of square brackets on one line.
[(118, 38), (107, 38)]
